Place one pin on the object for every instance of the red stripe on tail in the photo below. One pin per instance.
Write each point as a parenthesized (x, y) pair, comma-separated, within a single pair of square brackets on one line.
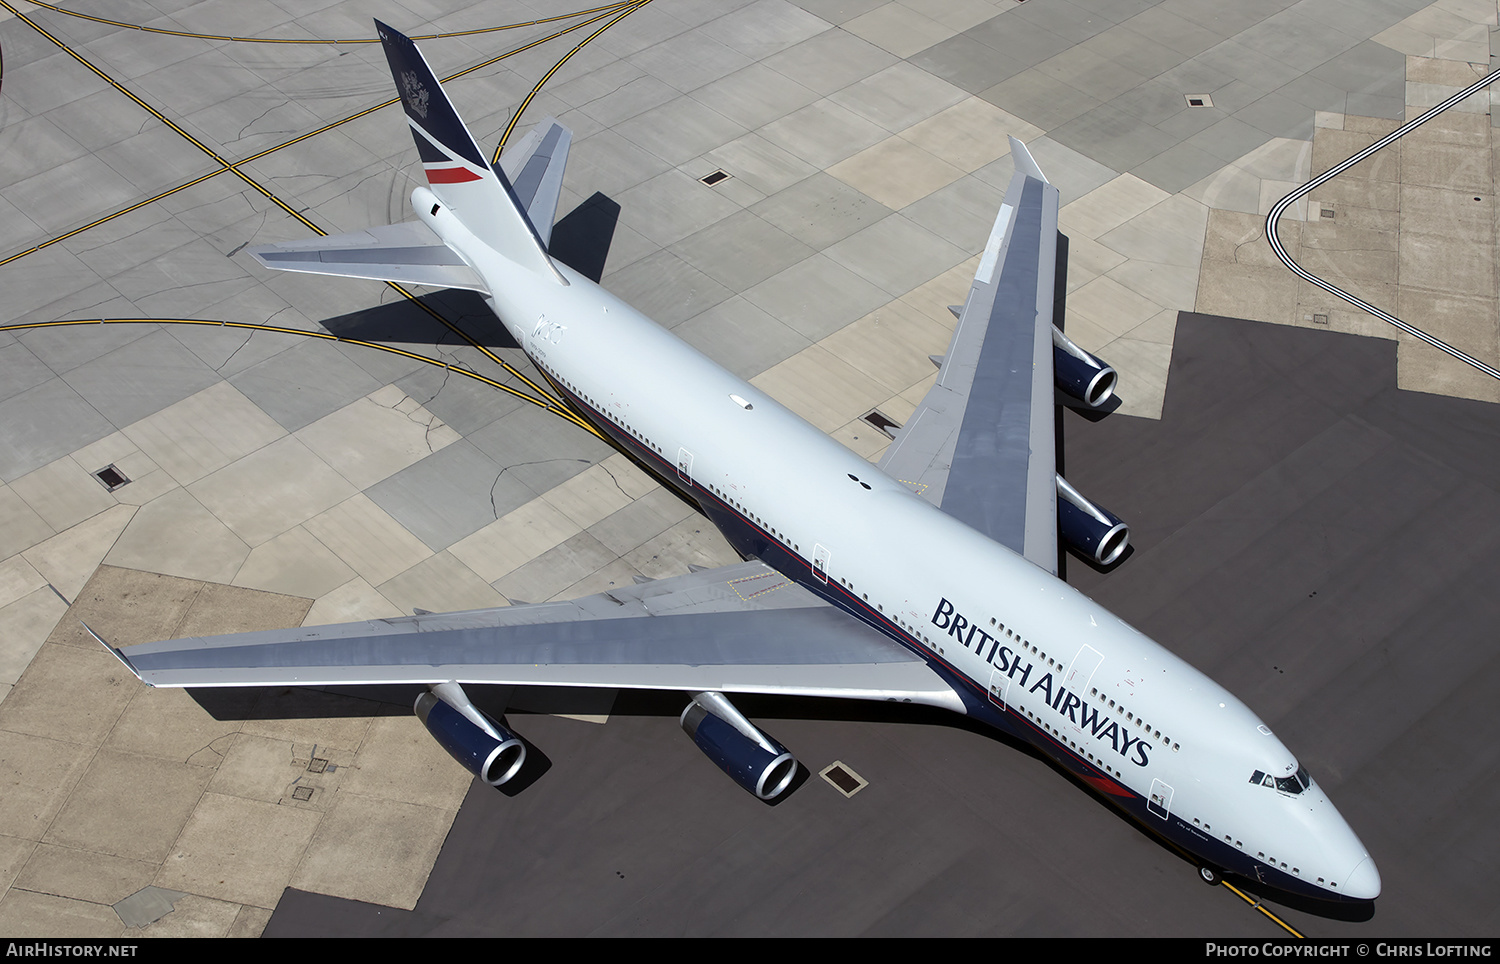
[(450, 175)]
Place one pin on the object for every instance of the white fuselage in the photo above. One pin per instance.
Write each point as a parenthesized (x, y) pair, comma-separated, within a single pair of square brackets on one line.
[(1153, 734)]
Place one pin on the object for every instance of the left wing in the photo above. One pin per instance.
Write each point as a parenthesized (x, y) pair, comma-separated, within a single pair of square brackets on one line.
[(535, 167), (739, 629), (980, 446)]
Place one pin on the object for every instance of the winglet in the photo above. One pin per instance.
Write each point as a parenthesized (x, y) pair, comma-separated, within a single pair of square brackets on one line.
[(1025, 162), (118, 655)]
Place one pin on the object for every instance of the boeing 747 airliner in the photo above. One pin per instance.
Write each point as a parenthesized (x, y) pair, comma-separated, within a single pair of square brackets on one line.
[(930, 578)]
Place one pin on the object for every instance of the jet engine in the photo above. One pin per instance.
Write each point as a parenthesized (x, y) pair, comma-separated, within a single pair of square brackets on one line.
[(752, 759), (471, 736), (1088, 529), (1079, 373)]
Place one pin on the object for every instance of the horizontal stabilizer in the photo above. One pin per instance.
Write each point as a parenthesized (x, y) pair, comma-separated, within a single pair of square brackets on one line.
[(409, 253), (534, 166)]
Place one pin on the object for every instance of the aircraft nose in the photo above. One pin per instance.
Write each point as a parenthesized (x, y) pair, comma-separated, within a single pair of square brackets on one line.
[(1340, 847), (1364, 882)]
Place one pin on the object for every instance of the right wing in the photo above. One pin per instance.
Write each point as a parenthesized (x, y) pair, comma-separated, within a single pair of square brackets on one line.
[(744, 628)]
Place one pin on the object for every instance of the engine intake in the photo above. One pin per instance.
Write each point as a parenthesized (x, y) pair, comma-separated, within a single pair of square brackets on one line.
[(490, 752), (1089, 529), (1079, 373), (756, 762)]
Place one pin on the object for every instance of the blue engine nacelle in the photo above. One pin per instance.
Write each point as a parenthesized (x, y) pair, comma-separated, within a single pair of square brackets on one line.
[(763, 766), (1079, 373), (493, 757), (1088, 529)]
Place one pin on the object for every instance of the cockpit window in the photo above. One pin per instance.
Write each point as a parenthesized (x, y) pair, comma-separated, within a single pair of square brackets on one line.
[(1294, 784)]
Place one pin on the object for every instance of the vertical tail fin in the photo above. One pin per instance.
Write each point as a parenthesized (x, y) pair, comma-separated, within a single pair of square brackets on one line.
[(456, 169)]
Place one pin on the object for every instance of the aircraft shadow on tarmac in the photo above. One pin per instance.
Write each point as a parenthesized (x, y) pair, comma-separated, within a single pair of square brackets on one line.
[(1306, 520)]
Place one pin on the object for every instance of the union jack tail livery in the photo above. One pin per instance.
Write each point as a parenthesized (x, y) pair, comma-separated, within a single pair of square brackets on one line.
[(459, 176)]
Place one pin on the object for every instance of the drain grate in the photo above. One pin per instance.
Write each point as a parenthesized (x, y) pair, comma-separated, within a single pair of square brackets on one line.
[(881, 422), (111, 478), (715, 177), (147, 906), (843, 779), (1199, 100)]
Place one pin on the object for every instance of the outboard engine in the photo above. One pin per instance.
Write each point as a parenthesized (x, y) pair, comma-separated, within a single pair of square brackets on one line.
[(752, 759), (1088, 529), (1079, 373), (471, 736)]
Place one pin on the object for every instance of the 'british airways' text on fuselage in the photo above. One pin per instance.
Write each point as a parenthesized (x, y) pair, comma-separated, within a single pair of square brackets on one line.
[(1057, 697)]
